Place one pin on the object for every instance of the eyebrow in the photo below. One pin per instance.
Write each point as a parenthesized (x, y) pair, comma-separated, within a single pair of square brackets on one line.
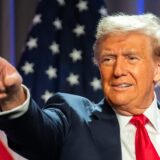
[(108, 52), (127, 52)]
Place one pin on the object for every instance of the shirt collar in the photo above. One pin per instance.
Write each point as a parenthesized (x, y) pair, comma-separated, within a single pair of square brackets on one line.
[(152, 113)]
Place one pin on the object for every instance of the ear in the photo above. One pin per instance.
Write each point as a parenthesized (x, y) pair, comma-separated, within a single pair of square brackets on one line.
[(157, 73)]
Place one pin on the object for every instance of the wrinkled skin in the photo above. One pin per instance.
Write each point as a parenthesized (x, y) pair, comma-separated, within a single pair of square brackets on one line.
[(128, 71)]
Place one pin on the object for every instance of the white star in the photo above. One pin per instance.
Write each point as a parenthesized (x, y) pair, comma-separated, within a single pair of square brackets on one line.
[(28, 68), (82, 5), (57, 23), (37, 19), (51, 72), (61, 2), (103, 11), (46, 95), (54, 47), (32, 43), (96, 84), (73, 79), (76, 55), (79, 30)]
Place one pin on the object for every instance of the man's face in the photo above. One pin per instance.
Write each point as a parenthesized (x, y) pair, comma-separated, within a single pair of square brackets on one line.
[(128, 71)]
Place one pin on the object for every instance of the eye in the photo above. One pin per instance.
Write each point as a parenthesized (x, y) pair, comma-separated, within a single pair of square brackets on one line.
[(132, 58), (108, 60)]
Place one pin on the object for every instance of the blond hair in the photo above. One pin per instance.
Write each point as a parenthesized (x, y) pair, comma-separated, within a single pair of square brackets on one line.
[(148, 24)]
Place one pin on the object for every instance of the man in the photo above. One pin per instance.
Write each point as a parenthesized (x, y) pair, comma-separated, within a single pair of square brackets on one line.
[(71, 127)]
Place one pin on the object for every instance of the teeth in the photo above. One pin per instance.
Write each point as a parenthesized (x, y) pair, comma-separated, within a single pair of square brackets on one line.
[(124, 85)]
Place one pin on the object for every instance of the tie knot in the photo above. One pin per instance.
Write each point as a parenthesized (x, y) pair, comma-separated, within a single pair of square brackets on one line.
[(139, 120)]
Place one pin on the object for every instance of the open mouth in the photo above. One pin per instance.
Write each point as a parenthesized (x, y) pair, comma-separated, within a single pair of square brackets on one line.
[(121, 86)]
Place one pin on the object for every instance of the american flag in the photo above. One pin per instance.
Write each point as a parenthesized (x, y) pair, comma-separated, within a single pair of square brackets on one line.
[(58, 55)]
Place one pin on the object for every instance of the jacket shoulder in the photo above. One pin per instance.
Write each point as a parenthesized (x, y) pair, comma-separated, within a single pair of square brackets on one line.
[(69, 103)]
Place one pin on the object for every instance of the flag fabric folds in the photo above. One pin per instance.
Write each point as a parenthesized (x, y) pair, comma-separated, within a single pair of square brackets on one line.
[(58, 55)]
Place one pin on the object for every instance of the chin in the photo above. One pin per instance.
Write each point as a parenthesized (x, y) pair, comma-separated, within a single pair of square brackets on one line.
[(119, 100)]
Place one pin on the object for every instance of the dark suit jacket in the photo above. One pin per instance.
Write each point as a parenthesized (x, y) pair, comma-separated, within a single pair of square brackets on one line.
[(68, 128)]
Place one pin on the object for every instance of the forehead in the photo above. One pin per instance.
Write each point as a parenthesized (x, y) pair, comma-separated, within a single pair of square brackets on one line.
[(129, 40)]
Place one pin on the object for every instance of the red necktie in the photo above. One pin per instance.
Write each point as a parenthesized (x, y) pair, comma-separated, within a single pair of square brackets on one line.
[(4, 153), (143, 146)]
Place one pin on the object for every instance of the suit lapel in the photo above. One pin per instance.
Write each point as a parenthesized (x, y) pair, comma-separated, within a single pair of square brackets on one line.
[(106, 133)]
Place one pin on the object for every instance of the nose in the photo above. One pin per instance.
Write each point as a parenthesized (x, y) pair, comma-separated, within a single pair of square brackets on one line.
[(120, 68)]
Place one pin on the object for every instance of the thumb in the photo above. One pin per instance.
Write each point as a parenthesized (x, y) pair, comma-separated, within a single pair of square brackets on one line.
[(12, 79), (9, 76)]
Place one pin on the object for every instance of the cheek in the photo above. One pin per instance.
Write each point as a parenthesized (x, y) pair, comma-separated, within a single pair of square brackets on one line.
[(143, 75), (106, 76), (105, 73)]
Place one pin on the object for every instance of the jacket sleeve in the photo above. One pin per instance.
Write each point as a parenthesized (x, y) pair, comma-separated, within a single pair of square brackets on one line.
[(39, 133)]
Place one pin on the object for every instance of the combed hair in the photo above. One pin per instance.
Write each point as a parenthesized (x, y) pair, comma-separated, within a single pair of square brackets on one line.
[(148, 24)]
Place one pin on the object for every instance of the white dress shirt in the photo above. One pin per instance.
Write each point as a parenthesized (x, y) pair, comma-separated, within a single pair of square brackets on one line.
[(127, 130)]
